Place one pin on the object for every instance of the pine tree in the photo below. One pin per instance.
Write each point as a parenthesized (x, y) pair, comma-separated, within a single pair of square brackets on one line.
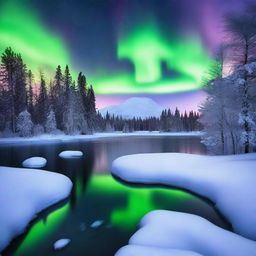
[(91, 109), (81, 84), (24, 124), (15, 79), (67, 81), (42, 102), (50, 125), (58, 97), (30, 95), (20, 84)]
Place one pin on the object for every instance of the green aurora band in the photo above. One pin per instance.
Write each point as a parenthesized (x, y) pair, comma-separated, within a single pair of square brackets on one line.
[(146, 48), (22, 30)]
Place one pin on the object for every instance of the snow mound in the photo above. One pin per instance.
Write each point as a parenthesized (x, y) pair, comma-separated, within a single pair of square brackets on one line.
[(97, 223), (137, 250), (23, 194), (70, 154), (161, 231), (34, 162), (228, 181), (61, 243), (138, 107)]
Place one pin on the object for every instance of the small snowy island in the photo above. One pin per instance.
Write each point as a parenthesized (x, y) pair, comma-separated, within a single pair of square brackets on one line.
[(34, 162), (70, 154), (228, 181)]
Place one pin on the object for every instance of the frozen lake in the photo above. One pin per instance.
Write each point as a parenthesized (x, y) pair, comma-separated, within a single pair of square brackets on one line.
[(102, 213)]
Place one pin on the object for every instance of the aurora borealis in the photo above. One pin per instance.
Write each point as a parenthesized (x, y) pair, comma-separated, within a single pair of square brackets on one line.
[(124, 47), (146, 49), (24, 32)]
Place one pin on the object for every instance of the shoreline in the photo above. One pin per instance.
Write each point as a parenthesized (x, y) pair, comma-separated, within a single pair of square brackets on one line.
[(44, 138)]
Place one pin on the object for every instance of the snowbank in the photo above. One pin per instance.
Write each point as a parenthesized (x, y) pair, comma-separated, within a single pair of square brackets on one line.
[(162, 231), (23, 194), (70, 154), (61, 243), (137, 250), (45, 138), (34, 162), (228, 181)]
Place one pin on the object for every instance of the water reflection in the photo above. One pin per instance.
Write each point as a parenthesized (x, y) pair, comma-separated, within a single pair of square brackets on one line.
[(99, 196)]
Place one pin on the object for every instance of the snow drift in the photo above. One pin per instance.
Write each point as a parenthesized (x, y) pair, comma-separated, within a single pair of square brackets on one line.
[(228, 181), (173, 233), (23, 194)]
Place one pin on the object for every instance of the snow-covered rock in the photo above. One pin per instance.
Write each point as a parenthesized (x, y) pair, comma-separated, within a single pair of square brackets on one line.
[(97, 223), (34, 162), (61, 243), (135, 107), (70, 154), (23, 194), (163, 232), (228, 181)]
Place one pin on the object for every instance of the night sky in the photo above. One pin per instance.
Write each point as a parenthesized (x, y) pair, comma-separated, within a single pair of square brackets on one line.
[(154, 48)]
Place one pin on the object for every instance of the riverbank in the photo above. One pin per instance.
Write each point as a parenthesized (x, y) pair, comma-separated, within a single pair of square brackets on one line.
[(44, 138)]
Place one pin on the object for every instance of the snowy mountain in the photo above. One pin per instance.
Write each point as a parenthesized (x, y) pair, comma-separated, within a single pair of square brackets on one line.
[(135, 107)]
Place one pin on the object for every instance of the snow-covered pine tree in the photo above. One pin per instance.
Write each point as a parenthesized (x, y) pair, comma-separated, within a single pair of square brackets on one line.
[(14, 78), (24, 124), (58, 99), (91, 109), (242, 34), (50, 125)]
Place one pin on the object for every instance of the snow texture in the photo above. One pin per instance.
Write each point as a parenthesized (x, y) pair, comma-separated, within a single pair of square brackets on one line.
[(138, 107), (47, 138), (34, 162), (23, 194), (162, 232), (70, 154), (228, 181), (61, 243), (96, 223), (138, 250)]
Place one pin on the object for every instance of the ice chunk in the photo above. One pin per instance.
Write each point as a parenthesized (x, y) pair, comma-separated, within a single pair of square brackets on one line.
[(61, 243), (97, 223)]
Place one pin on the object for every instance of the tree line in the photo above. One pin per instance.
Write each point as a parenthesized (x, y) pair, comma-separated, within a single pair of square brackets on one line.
[(62, 104), (229, 113), (168, 122), (30, 108)]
